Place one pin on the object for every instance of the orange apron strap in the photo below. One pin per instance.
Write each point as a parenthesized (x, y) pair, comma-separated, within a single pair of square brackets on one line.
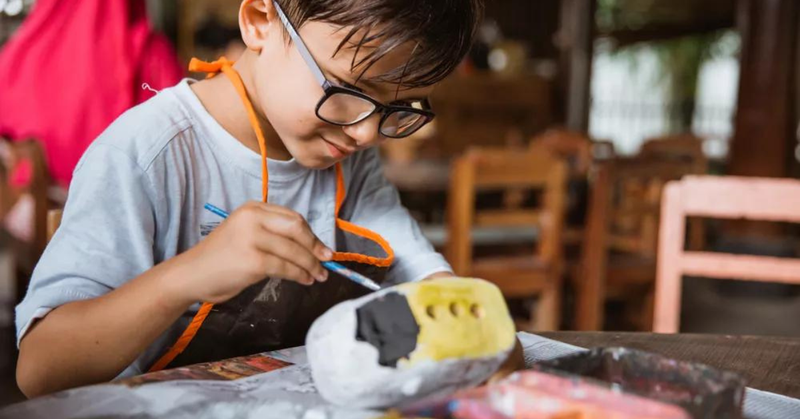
[(357, 257), (340, 189), (185, 338), (358, 231), (226, 66)]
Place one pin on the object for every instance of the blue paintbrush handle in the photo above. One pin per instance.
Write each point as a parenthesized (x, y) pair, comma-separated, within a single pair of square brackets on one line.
[(331, 266), (352, 275), (216, 210)]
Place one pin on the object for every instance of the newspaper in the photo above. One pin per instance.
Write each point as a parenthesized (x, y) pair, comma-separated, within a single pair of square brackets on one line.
[(287, 393)]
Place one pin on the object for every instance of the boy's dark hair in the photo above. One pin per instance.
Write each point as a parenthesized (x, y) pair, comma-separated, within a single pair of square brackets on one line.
[(443, 31)]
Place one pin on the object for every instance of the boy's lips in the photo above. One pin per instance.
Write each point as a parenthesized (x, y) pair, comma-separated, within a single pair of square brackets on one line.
[(338, 152)]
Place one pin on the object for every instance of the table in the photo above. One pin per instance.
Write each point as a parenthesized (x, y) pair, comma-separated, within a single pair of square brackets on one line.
[(421, 175), (767, 363)]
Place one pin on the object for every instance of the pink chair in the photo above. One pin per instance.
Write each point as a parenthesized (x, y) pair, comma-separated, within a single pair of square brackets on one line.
[(724, 198)]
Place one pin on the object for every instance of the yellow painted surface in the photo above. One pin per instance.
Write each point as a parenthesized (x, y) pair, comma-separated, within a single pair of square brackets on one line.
[(458, 318)]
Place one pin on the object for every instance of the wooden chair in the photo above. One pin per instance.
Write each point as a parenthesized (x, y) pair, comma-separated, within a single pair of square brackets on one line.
[(36, 187), (724, 198), (531, 275), (619, 249), (575, 149), (32, 151), (53, 222), (687, 147)]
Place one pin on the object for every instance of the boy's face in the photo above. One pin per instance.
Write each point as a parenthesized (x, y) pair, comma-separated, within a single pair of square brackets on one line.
[(287, 92)]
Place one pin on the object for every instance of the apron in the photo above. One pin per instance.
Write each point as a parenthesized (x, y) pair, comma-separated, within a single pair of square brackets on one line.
[(276, 314)]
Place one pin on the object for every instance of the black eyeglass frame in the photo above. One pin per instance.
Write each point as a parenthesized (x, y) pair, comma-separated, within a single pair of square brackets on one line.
[(330, 89)]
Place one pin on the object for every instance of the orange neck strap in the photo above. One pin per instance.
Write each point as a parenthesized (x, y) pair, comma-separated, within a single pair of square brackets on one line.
[(226, 66)]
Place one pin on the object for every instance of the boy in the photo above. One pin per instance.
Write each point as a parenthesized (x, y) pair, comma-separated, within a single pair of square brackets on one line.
[(321, 84)]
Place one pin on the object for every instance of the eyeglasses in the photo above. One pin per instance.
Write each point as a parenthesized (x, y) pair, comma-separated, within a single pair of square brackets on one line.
[(344, 106)]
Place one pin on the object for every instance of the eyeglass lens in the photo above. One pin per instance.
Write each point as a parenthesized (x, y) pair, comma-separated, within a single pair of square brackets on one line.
[(347, 109)]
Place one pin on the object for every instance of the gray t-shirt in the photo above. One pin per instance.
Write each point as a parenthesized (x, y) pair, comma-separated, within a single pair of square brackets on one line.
[(137, 197)]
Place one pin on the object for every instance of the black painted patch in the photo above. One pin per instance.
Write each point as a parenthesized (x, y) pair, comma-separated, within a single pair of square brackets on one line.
[(388, 324)]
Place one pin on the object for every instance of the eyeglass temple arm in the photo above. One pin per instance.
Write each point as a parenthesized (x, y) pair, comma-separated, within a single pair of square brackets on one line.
[(301, 46)]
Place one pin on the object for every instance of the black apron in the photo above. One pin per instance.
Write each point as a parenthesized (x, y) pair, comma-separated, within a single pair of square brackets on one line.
[(276, 314)]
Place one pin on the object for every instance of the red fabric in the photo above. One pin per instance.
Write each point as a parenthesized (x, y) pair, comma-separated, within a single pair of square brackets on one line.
[(73, 67)]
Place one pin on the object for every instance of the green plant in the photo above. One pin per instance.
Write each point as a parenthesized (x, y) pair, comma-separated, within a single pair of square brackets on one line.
[(680, 59)]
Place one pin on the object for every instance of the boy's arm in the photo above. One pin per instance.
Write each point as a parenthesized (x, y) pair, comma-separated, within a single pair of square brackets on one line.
[(95, 301), (98, 298), (92, 341)]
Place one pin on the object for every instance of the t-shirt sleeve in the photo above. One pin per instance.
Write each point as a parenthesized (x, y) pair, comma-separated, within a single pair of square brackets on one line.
[(375, 204), (105, 237)]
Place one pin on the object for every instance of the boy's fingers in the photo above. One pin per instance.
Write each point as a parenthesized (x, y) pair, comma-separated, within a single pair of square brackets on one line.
[(290, 251), (293, 226), (281, 268)]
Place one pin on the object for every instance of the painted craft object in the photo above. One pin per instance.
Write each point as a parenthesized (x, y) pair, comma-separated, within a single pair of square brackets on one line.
[(704, 392), (538, 395), (410, 341), (603, 383)]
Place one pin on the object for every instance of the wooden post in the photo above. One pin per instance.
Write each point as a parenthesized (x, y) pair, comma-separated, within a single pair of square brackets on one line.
[(795, 152), (764, 125), (576, 39)]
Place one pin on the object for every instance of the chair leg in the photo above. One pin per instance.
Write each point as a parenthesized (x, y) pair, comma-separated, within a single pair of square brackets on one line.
[(546, 315), (647, 311)]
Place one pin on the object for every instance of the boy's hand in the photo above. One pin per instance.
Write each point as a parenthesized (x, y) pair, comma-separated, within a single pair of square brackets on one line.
[(257, 241)]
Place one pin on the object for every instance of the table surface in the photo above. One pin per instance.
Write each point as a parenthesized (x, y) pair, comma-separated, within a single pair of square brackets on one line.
[(422, 175), (767, 363)]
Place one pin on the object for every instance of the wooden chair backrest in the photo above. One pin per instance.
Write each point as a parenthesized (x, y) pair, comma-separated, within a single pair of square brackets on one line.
[(573, 147), (37, 187), (626, 201), (722, 198), (504, 169), (41, 181), (622, 221), (687, 147), (484, 109)]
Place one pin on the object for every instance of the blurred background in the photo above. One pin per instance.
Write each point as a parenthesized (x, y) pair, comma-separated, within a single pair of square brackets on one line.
[(612, 99)]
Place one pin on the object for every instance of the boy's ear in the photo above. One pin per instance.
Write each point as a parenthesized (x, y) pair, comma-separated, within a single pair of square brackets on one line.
[(256, 17)]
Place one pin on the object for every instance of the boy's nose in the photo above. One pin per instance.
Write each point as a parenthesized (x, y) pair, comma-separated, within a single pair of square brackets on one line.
[(365, 133)]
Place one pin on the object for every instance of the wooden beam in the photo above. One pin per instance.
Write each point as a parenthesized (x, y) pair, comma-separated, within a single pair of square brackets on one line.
[(627, 37)]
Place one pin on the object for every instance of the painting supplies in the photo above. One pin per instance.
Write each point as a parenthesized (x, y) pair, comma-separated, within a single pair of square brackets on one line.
[(351, 275), (331, 266)]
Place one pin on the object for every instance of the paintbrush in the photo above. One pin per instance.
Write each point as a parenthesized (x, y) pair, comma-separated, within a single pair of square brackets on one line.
[(331, 266)]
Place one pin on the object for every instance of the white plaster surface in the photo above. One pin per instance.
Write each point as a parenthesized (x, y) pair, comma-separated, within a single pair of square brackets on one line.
[(346, 371)]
